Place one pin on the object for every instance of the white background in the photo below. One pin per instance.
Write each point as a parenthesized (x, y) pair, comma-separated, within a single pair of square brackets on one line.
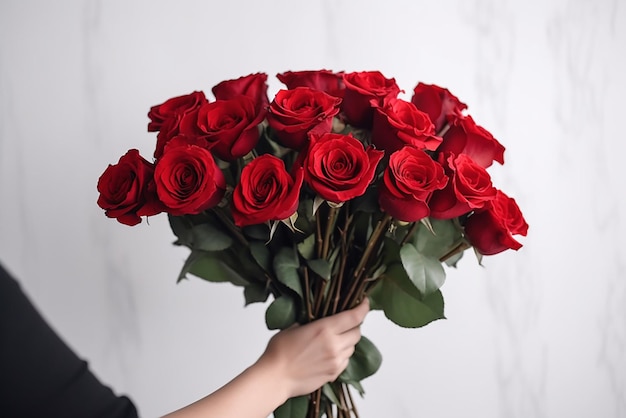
[(537, 333)]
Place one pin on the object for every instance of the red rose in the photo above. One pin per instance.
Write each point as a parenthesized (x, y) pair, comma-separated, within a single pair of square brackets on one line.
[(491, 230), (229, 127), (127, 189), (465, 137), (469, 188), (265, 192), (338, 167), (254, 86), (187, 178), (324, 80), (361, 88), (169, 129), (293, 113), (408, 182), (441, 105), (398, 123), (174, 108)]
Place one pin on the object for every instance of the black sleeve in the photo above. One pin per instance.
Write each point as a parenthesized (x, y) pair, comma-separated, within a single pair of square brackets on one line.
[(39, 375)]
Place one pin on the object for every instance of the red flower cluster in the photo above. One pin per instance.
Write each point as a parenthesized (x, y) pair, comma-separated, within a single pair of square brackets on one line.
[(434, 156)]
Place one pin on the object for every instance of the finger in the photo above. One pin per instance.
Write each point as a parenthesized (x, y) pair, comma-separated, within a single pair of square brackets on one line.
[(351, 318), (350, 338)]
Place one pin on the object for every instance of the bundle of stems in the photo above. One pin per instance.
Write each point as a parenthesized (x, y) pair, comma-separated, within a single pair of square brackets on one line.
[(347, 287)]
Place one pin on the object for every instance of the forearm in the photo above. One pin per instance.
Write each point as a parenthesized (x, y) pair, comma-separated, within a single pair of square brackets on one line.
[(254, 393), (297, 361)]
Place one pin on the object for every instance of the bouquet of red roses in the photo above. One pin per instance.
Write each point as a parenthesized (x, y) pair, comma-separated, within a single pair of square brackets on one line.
[(334, 191)]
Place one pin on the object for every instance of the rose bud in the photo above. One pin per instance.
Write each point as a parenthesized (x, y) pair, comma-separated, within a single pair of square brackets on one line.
[(294, 113), (408, 182), (188, 181), (491, 230), (266, 192), (127, 190), (398, 123), (469, 188), (338, 167)]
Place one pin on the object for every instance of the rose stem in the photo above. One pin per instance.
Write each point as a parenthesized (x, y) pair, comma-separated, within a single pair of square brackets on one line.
[(342, 399), (462, 246), (228, 223), (333, 290), (339, 279), (329, 410), (307, 295), (318, 399), (319, 295), (409, 233), (318, 233), (352, 404), (335, 295), (330, 224), (380, 227)]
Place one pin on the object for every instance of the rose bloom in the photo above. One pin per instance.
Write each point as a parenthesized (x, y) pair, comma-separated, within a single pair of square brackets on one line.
[(188, 181), (229, 127), (253, 86), (127, 190), (294, 113), (265, 192), (469, 188), (174, 108), (361, 89), (491, 230), (398, 123), (465, 137), (323, 80), (441, 105), (408, 182), (338, 168)]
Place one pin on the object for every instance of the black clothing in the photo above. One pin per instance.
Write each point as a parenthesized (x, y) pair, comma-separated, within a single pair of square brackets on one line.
[(40, 376)]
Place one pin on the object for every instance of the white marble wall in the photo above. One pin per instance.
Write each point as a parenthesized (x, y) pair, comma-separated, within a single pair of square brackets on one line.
[(538, 333)]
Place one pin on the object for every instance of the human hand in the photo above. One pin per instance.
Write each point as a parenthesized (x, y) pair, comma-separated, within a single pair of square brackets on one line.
[(305, 357)]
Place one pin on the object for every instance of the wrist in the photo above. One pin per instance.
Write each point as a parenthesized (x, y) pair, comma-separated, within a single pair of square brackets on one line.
[(274, 370)]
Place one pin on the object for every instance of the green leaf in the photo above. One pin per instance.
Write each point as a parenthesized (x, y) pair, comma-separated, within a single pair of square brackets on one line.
[(255, 293), (452, 261), (402, 303), (293, 408), (320, 267), (447, 236), (427, 274), (306, 220), (286, 265), (211, 267), (207, 238), (182, 230), (261, 254), (281, 313), (258, 231), (307, 247), (364, 362), (328, 390)]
